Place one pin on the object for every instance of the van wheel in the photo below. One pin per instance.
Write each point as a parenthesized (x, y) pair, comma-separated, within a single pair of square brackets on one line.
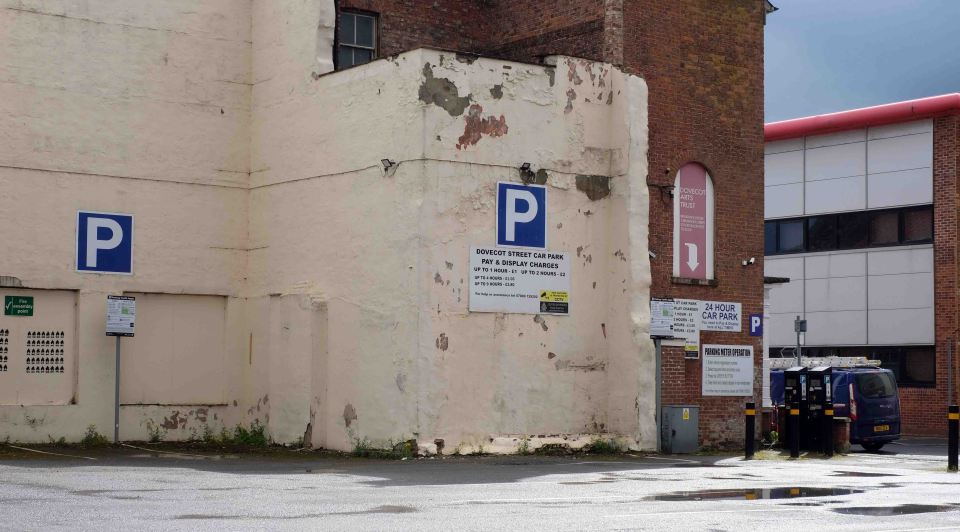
[(872, 447)]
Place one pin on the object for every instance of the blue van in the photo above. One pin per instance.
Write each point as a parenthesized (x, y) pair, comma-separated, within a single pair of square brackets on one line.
[(867, 395)]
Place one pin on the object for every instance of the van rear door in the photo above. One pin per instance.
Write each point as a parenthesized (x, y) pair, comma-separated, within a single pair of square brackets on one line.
[(878, 406)]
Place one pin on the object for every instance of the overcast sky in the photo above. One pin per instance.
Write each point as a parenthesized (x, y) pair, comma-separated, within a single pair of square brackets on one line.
[(831, 55)]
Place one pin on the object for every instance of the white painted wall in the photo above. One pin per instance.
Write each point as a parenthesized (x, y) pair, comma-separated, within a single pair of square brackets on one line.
[(264, 219), (116, 106), (388, 254)]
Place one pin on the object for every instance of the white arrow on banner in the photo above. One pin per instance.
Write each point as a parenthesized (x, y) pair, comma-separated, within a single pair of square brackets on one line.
[(692, 256)]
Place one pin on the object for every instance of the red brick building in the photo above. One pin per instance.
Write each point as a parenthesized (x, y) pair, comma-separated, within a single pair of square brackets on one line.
[(703, 63)]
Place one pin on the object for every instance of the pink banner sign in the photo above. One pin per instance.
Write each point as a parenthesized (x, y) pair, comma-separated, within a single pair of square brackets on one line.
[(692, 197)]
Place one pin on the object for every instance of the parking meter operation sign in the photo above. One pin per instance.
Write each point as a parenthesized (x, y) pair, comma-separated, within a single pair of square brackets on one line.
[(121, 315)]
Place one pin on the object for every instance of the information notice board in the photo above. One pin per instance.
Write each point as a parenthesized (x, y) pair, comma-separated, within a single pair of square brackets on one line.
[(728, 370), (121, 315), (519, 281)]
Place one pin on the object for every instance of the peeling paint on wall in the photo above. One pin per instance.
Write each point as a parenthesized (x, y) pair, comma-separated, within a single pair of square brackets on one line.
[(477, 126), (596, 187), (349, 415), (442, 92), (443, 342), (174, 421), (543, 324), (571, 96), (539, 178)]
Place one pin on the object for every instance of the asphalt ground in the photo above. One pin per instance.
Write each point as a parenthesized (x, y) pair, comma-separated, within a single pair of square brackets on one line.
[(905, 487)]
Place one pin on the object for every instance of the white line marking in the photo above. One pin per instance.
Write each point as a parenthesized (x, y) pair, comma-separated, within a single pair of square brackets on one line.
[(54, 454), (167, 452), (673, 459)]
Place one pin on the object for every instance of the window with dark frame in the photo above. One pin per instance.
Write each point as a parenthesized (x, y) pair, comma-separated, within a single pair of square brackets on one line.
[(822, 233), (849, 230), (918, 225), (853, 229), (356, 39), (884, 228)]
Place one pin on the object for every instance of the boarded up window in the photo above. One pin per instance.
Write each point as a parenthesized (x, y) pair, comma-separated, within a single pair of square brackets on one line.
[(38, 351), (177, 356)]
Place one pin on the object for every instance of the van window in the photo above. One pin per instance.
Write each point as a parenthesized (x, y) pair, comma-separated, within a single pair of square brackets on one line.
[(876, 385)]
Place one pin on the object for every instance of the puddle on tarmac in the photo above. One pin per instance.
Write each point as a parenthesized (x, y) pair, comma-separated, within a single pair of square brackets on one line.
[(803, 504), (861, 474), (902, 509), (751, 494)]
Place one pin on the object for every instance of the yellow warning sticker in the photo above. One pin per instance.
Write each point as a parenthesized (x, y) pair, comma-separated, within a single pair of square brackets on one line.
[(554, 296), (686, 414), (554, 302)]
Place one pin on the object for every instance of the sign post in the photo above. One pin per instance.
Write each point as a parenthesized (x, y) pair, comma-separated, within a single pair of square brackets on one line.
[(121, 316), (799, 326)]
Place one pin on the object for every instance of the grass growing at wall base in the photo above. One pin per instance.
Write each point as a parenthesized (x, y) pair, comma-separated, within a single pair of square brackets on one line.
[(363, 448), (92, 438)]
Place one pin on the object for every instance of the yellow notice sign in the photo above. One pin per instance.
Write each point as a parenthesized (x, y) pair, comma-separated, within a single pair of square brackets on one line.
[(553, 296), (555, 302)]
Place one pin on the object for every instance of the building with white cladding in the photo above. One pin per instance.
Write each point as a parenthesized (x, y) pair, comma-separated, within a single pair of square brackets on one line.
[(861, 217)]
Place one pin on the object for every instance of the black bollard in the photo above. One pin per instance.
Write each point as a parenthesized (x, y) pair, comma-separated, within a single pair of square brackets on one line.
[(828, 429), (953, 433), (794, 426), (751, 426)]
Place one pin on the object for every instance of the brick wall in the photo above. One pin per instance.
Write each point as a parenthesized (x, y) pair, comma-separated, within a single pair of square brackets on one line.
[(526, 30), (519, 30), (923, 410), (408, 24), (703, 63)]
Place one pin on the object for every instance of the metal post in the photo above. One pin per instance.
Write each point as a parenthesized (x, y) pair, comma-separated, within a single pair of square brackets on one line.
[(658, 415), (953, 434), (950, 399), (797, 328), (748, 441), (793, 421), (828, 428), (116, 398)]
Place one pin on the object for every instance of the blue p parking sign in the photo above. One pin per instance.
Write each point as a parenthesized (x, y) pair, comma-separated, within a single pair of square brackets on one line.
[(104, 243), (756, 325), (521, 215)]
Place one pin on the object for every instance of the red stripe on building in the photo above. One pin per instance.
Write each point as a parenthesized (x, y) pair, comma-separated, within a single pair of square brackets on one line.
[(890, 113)]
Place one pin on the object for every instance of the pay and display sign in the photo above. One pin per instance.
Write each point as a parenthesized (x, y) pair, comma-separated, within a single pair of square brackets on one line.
[(521, 215), (104, 243), (518, 281)]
